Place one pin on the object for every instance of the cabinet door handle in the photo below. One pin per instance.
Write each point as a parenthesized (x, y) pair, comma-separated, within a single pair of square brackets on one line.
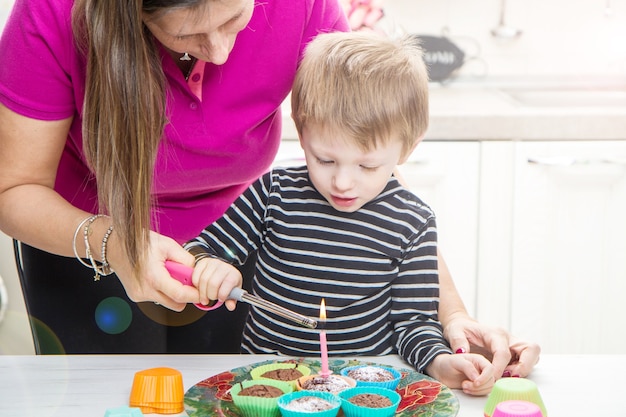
[(562, 161)]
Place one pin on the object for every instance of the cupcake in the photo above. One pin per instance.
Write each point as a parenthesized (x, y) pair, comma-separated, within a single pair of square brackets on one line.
[(332, 383), (259, 397), (373, 376), (284, 371), (309, 404), (369, 402)]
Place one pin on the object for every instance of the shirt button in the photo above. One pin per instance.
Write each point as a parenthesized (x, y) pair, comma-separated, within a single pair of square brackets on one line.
[(195, 78), (193, 106)]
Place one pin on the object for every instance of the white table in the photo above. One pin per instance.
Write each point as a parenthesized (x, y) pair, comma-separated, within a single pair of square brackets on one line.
[(85, 386)]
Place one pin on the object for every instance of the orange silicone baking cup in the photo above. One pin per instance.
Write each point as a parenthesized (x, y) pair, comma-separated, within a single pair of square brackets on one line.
[(158, 390)]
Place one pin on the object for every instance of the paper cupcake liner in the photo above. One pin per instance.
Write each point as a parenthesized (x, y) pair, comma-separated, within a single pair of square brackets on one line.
[(391, 384), (353, 410)]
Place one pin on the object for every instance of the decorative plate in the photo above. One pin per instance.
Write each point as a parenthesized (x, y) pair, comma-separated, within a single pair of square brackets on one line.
[(421, 395)]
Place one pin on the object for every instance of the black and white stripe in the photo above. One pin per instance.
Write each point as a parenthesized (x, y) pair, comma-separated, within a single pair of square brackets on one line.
[(376, 268)]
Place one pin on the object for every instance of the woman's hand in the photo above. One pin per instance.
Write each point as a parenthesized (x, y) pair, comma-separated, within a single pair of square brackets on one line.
[(524, 356), (470, 372), (509, 355), (155, 284)]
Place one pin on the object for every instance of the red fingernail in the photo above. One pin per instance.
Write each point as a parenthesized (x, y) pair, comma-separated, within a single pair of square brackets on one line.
[(516, 376), (506, 374), (460, 350)]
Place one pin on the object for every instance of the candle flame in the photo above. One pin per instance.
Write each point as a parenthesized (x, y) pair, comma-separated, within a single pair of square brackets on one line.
[(323, 310)]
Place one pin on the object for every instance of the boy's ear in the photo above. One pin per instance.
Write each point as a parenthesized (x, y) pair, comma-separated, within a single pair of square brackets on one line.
[(410, 151), (298, 131), (300, 140)]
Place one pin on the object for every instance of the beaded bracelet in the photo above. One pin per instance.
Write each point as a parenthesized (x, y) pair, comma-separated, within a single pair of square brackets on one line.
[(100, 270), (89, 219), (88, 255), (106, 268)]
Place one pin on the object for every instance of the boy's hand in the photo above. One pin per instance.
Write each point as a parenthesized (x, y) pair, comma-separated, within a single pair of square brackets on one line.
[(215, 279), (472, 373)]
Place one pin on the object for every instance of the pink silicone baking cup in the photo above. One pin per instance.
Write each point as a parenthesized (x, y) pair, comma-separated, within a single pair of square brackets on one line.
[(515, 408)]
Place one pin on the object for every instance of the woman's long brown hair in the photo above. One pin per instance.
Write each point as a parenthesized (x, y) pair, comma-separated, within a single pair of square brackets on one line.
[(124, 110)]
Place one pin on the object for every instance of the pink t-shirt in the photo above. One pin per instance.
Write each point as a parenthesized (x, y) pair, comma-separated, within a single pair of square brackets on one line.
[(212, 148)]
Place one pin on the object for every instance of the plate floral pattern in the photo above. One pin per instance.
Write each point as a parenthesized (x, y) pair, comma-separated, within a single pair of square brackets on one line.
[(422, 396)]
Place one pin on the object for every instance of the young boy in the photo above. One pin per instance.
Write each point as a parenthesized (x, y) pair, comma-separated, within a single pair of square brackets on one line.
[(342, 228)]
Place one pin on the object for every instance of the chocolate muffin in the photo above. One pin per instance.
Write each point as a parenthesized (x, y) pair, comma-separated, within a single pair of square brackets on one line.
[(261, 390), (331, 383), (373, 376), (370, 400), (370, 374), (283, 374), (309, 404), (281, 371)]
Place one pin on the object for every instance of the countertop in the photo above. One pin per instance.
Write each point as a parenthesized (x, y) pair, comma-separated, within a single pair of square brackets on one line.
[(546, 109)]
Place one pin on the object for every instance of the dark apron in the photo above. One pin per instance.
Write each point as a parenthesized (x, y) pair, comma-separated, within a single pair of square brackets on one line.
[(71, 313)]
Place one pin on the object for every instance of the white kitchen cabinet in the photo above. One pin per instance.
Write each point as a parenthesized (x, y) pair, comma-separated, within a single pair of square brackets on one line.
[(497, 173), (568, 251), (445, 175)]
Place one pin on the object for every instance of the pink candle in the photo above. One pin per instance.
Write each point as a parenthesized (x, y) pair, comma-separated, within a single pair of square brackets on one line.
[(323, 346), (325, 371)]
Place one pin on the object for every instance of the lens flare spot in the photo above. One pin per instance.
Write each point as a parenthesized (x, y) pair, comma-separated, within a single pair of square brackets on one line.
[(113, 315), (230, 253)]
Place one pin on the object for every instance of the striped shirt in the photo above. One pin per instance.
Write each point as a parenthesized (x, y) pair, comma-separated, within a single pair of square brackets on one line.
[(376, 269)]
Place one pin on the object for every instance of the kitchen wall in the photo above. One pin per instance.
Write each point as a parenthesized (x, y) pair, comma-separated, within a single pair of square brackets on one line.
[(5, 7), (15, 336), (558, 37)]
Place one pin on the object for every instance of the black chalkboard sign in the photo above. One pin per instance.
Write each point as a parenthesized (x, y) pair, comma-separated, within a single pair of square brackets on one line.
[(441, 56)]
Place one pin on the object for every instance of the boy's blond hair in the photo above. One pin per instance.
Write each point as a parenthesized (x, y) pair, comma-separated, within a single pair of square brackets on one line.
[(365, 85)]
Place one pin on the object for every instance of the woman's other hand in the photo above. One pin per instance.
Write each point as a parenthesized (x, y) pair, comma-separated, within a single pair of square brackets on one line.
[(155, 283), (509, 355)]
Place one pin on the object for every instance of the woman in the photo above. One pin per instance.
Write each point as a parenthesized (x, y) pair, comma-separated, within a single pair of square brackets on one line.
[(172, 107)]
